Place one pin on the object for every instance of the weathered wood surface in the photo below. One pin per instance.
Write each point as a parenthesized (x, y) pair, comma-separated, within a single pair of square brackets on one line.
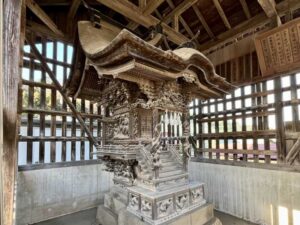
[(1, 121), (130, 10), (11, 55), (239, 151), (222, 13), (42, 15), (255, 21), (293, 152), (60, 89), (278, 50)]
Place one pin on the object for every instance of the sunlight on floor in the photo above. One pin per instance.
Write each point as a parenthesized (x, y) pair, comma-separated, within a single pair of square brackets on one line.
[(296, 217), (283, 216)]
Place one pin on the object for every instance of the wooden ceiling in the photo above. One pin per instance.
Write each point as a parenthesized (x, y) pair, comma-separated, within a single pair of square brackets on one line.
[(216, 20)]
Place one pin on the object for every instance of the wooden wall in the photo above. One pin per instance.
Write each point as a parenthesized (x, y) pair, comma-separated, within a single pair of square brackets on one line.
[(10, 83)]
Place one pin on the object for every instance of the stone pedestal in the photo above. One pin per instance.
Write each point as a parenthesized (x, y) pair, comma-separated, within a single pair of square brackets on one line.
[(201, 216), (179, 206)]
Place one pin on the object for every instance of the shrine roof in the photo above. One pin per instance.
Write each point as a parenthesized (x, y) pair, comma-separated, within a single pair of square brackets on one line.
[(115, 53)]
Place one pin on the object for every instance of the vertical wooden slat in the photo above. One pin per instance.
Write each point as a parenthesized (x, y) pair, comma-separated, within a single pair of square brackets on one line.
[(209, 130), (42, 106), (234, 140), (53, 107), (266, 124), (91, 111), (53, 126), (200, 154), (217, 131), (73, 134), (10, 83), (294, 106), (99, 125), (64, 108), (30, 115), (245, 156), (1, 122), (280, 134), (82, 133), (225, 121)]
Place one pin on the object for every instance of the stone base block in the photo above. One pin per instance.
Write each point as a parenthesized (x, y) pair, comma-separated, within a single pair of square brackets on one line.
[(160, 207), (105, 216), (199, 216)]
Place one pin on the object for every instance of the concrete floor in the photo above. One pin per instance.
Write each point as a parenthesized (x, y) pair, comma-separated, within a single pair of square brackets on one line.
[(88, 217)]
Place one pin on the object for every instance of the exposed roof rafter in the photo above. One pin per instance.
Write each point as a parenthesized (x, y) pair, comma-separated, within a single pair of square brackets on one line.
[(178, 10), (133, 12), (269, 7), (281, 8), (40, 13), (245, 8), (222, 13), (146, 9), (181, 20), (203, 22)]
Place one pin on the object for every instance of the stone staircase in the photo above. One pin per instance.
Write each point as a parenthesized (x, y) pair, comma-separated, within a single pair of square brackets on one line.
[(170, 173)]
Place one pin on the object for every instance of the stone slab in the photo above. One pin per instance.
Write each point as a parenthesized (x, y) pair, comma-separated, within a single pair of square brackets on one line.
[(105, 216), (199, 216)]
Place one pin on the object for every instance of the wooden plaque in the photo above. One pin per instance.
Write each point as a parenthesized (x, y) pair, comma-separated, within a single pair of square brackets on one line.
[(278, 50)]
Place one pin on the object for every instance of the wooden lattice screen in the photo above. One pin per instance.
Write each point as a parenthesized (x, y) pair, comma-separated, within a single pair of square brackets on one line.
[(49, 132), (257, 123)]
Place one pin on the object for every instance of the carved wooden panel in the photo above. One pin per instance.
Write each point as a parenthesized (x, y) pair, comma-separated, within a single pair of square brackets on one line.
[(145, 121), (278, 50)]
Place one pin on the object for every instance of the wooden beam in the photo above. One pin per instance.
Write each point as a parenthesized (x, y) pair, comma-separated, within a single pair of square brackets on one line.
[(76, 114), (258, 20), (1, 121), (151, 6), (142, 4), (178, 10), (222, 13), (73, 8), (40, 13), (186, 27), (132, 12), (182, 21), (176, 23), (245, 8), (203, 21), (11, 69), (71, 15), (268, 6), (146, 9), (37, 28)]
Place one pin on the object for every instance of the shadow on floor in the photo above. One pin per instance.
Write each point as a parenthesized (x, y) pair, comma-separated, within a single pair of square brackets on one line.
[(227, 219), (88, 217)]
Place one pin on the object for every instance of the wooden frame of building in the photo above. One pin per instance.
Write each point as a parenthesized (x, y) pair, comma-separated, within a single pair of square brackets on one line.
[(43, 108)]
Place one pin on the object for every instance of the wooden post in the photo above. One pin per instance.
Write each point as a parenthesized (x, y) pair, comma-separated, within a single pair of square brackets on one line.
[(281, 150), (1, 121), (11, 53)]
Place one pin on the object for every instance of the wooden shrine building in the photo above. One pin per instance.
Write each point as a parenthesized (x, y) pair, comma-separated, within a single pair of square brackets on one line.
[(120, 112)]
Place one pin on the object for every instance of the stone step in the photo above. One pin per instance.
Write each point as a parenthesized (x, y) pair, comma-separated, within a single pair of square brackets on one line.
[(166, 160), (170, 173), (214, 221), (164, 168), (166, 164)]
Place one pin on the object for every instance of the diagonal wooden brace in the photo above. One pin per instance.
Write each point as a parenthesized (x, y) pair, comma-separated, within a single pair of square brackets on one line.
[(61, 91)]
